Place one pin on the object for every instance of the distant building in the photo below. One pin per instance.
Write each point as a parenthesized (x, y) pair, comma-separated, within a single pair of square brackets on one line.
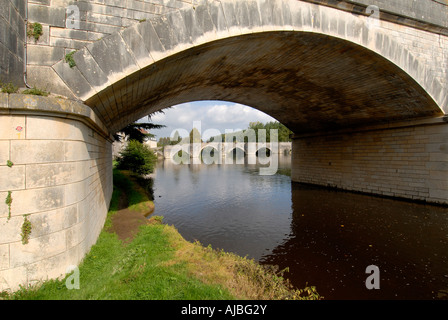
[(151, 142)]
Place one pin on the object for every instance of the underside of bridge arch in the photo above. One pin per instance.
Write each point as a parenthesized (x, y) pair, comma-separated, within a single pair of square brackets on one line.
[(308, 81), (360, 122)]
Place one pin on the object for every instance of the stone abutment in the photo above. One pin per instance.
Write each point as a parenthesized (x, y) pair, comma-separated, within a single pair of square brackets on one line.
[(56, 167)]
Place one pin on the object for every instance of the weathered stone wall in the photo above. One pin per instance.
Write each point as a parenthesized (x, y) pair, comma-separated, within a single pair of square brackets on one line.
[(12, 41), (429, 11), (120, 66), (66, 31), (408, 162), (429, 17), (98, 19), (61, 178)]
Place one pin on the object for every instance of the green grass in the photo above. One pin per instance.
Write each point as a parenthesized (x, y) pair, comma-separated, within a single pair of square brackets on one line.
[(159, 264), (36, 92), (139, 270), (137, 197)]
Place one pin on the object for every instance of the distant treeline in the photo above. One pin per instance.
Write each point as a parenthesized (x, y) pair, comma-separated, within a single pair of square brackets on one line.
[(257, 132), (251, 133)]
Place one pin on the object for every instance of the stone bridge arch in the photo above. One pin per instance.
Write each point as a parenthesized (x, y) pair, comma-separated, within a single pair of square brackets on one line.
[(365, 101), (236, 150), (264, 151), (312, 67), (214, 147)]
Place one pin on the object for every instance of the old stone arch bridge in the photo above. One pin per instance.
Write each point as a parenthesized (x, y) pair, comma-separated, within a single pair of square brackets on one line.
[(362, 84), (226, 149)]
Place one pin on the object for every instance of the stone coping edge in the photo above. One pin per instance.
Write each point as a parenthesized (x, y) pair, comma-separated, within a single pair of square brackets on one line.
[(52, 106)]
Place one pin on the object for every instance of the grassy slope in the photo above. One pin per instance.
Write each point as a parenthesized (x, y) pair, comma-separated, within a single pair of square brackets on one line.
[(160, 264)]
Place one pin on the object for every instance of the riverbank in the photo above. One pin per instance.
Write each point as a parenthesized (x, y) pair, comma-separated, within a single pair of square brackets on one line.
[(138, 258)]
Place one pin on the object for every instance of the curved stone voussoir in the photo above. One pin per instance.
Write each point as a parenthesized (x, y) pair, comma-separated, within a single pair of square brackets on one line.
[(132, 61), (113, 57)]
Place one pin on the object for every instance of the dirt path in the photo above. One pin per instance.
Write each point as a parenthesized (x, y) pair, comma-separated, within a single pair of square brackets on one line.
[(126, 223)]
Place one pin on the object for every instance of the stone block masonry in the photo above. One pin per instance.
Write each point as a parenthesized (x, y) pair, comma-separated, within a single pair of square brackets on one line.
[(409, 162), (61, 176), (12, 41), (423, 37), (93, 21)]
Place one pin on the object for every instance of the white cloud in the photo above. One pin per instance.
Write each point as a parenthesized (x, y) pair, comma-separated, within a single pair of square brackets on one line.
[(159, 117), (216, 115), (231, 114)]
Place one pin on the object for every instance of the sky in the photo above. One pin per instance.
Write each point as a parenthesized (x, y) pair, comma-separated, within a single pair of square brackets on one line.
[(210, 117)]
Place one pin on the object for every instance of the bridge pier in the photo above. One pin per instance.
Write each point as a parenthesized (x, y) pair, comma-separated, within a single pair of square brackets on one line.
[(56, 165), (404, 160)]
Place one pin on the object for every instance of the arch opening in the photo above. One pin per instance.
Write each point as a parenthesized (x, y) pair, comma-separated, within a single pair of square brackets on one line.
[(316, 82), (236, 153), (181, 157), (263, 152), (210, 155)]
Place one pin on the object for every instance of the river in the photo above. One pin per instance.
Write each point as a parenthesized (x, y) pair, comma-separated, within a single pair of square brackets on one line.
[(325, 238)]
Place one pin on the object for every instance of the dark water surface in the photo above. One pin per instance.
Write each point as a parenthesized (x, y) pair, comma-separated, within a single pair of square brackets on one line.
[(326, 238)]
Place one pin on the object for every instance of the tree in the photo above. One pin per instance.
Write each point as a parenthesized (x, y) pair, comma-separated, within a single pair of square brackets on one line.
[(195, 136), (283, 132), (164, 141), (176, 138), (137, 158), (138, 130)]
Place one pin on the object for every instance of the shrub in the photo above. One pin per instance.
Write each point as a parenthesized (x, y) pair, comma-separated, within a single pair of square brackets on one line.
[(137, 158)]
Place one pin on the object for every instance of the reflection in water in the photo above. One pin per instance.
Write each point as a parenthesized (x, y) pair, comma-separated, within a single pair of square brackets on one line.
[(335, 235), (327, 238)]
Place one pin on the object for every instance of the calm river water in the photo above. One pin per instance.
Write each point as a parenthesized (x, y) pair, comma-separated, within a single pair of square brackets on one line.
[(326, 238)]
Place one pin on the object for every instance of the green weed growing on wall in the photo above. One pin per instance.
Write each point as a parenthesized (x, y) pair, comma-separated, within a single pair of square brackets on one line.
[(8, 88), (36, 92), (26, 229), (70, 60), (35, 30), (8, 202)]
